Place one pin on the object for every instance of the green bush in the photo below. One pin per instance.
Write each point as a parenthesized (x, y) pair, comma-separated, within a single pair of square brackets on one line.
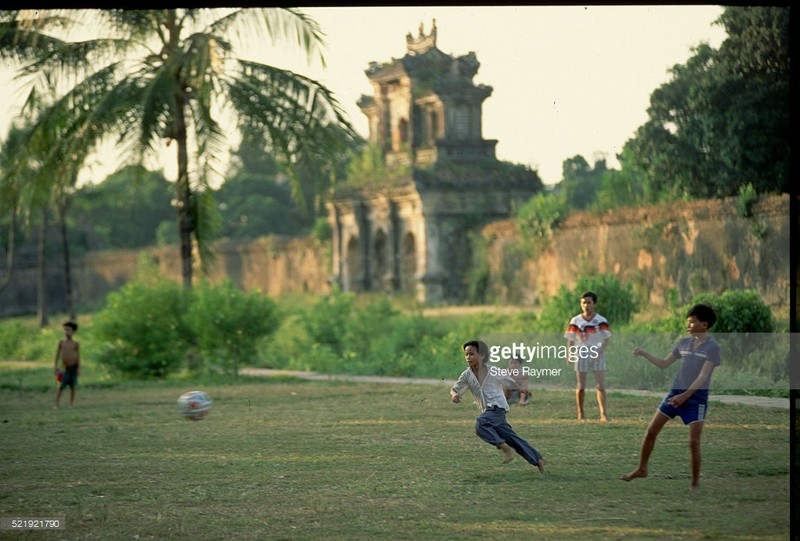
[(26, 341), (228, 324), (747, 198), (326, 321), (141, 329), (152, 327), (744, 326), (340, 334), (539, 217), (321, 231), (12, 335), (738, 311), (615, 302)]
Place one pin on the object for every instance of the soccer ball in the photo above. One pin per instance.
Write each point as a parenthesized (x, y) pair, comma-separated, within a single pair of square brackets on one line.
[(194, 405)]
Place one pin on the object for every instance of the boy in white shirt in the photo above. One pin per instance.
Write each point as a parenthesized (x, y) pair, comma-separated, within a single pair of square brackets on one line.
[(588, 335), (486, 387)]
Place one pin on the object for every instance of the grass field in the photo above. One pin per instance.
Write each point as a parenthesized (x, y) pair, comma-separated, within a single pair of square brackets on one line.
[(280, 458)]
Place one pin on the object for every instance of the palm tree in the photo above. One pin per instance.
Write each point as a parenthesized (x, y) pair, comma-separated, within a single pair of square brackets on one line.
[(163, 76), (37, 177)]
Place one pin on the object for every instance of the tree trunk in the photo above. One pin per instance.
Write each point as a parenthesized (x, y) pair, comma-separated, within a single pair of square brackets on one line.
[(184, 191), (12, 229), (70, 307), (41, 279)]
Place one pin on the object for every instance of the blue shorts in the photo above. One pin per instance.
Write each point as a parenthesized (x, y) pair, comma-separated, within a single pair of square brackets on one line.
[(691, 411)]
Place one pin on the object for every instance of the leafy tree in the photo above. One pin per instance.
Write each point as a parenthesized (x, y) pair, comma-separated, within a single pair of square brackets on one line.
[(161, 76), (124, 210), (722, 121), (10, 188), (627, 187), (580, 182), (257, 198), (36, 184), (252, 205)]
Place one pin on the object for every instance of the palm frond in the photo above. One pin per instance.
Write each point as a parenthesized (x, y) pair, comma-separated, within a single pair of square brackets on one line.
[(297, 116), (276, 24), (28, 42), (156, 108)]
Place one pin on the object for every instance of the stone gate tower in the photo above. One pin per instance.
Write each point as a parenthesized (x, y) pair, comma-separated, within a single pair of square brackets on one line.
[(410, 233)]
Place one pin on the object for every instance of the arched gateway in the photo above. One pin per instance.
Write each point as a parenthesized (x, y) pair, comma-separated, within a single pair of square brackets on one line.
[(411, 235)]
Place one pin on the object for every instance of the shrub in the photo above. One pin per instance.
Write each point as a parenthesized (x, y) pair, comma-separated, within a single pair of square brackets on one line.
[(738, 310), (26, 341), (141, 328), (744, 324), (615, 302), (538, 218), (369, 335), (12, 335), (325, 322), (321, 231), (740, 313), (228, 324), (747, 198)]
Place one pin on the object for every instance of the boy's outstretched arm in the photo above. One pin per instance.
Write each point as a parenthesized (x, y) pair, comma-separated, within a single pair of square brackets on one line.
[(458, 389), (659, 362)]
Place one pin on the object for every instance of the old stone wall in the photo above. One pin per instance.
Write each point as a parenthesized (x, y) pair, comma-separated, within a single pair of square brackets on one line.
[(678, 250), (273, 265), (682, 249)]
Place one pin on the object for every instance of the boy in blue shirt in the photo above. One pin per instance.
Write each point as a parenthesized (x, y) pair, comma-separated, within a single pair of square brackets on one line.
[(688, 397)]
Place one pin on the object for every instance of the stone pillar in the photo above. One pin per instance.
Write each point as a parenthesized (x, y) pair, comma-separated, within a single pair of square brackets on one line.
[(334, 220), (364, 239), (432, 276), (395, 231)]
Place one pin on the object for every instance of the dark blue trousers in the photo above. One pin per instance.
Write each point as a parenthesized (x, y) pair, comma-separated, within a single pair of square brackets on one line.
[(492, 428)]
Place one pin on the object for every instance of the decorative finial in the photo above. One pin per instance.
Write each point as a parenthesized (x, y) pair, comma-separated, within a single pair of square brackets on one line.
[(422, 43)]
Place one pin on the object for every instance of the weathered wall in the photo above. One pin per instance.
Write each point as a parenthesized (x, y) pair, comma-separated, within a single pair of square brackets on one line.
[(687, 248), (273, 265)]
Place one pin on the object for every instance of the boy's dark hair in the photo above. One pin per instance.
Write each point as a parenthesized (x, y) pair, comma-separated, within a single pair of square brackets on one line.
[(480, 345), (71, 324), (704, 313), (591, 294)]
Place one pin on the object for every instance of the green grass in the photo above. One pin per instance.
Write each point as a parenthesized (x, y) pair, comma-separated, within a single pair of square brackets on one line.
[(289, 459)]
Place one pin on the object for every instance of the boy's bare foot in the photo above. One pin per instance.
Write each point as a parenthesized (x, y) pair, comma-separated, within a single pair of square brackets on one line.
[(604, 419), (633, 475), (693, 488), (508, 453), (541, 464)]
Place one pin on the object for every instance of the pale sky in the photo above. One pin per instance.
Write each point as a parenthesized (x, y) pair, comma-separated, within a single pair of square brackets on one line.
[(567, 80)]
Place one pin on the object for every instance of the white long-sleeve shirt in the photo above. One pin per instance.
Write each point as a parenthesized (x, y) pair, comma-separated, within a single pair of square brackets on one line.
[(488, 394)]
